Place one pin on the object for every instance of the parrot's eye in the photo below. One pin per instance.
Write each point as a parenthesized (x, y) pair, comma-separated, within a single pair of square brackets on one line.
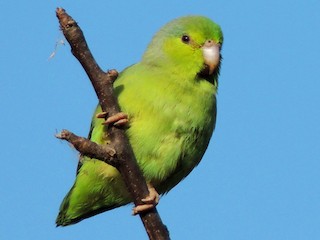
[(185, 39)]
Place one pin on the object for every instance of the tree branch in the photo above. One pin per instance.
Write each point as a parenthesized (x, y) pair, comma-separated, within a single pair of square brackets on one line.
[(89, 148), (123, 157)]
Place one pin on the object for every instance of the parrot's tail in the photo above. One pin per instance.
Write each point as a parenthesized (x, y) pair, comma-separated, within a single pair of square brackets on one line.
[(69, 215)]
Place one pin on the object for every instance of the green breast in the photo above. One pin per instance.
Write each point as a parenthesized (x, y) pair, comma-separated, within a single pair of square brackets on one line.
[(170, 125)]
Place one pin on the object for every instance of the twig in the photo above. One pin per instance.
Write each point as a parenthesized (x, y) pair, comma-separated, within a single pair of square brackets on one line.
[(89, 148), (125, 160)]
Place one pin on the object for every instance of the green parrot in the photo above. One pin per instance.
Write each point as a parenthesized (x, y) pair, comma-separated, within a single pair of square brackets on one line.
[(170, 101)]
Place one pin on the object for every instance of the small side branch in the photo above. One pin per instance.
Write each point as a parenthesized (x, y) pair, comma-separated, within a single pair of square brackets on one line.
[(125, 160), (89, 148)]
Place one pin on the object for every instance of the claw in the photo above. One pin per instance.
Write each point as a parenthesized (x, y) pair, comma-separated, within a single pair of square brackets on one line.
[(153, 196), (120, 119), (149, 202), (102, 115)]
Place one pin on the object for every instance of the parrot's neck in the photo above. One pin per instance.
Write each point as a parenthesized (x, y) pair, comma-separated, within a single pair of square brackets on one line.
[(183, 73)]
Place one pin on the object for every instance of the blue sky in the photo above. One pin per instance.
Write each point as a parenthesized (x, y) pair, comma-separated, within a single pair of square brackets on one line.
[(260, 176)]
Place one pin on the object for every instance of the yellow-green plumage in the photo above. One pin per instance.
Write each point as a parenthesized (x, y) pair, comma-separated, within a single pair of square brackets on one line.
[(170, 100)]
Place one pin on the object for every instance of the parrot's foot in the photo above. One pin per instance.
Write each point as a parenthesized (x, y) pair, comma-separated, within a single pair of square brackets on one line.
[(119, 120), (149, 202)]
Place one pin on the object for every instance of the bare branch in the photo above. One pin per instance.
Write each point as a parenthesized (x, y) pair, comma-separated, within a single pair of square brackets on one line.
[(89, 148), (125, 159)]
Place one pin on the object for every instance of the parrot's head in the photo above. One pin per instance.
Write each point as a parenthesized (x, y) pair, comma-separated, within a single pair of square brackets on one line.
[(188, 45)]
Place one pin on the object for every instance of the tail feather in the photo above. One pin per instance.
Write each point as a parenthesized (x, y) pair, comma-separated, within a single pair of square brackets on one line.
[(68, 216)]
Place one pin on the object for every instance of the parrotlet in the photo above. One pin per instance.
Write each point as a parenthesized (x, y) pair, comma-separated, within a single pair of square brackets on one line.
[(169, 98)]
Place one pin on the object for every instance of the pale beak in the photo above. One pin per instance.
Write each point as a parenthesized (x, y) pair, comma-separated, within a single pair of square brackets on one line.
[(211, 55)]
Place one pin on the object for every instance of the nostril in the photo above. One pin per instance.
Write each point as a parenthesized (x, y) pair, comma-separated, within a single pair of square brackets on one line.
[(209, 43)]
